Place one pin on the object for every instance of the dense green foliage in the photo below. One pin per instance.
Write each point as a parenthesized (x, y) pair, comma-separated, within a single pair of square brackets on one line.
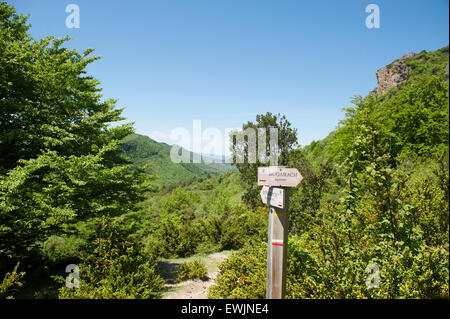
[(113, 268), (203, 217), (143, 151), (243, 274)]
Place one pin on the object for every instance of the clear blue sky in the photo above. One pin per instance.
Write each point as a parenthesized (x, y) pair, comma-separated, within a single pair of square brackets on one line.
[(222, 62)]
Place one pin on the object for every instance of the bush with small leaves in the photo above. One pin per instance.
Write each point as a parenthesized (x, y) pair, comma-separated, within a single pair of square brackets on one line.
[(192, 270)]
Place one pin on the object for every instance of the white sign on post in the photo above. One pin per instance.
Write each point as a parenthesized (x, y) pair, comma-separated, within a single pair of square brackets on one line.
[(273, 196), (278, 176)]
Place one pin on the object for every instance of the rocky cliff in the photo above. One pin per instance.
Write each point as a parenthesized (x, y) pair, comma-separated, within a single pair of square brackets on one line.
[(393, 74), (399, 71)]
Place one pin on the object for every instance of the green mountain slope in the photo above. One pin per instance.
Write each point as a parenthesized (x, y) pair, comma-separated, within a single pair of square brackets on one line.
[(142, 150), (409, 110)]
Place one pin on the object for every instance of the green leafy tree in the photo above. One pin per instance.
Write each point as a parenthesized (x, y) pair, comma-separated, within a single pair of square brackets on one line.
[(307, 199), (287, 141), (61, 160)]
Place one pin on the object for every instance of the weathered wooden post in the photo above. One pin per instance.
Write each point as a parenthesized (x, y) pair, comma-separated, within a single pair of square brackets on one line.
[(277, 198)]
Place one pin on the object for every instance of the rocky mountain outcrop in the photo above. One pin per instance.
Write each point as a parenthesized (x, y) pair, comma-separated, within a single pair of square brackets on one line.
[(393, 74)]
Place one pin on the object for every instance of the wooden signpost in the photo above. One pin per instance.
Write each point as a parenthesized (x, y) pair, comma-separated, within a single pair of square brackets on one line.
[(278, 200)]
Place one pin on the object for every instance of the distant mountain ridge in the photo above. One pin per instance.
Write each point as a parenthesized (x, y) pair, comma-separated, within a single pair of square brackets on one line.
[(143, 150)]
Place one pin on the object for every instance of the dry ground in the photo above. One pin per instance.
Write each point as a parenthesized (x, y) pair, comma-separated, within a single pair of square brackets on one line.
[(190, 289)]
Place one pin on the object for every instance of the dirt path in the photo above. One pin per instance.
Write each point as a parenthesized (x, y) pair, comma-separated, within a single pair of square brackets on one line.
[(190, 289)]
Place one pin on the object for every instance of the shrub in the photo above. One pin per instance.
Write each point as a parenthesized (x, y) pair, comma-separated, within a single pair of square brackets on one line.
[(173, 238), (192, 270), (58, 249), (114, 269), (242, 275), (11, 280)]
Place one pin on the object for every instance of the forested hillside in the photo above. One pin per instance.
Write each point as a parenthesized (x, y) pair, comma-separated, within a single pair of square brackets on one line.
[(419, 120), (142, 150), (73, 190)]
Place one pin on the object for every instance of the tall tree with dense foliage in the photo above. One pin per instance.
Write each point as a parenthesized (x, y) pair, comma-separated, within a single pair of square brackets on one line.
[(61, 160)]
